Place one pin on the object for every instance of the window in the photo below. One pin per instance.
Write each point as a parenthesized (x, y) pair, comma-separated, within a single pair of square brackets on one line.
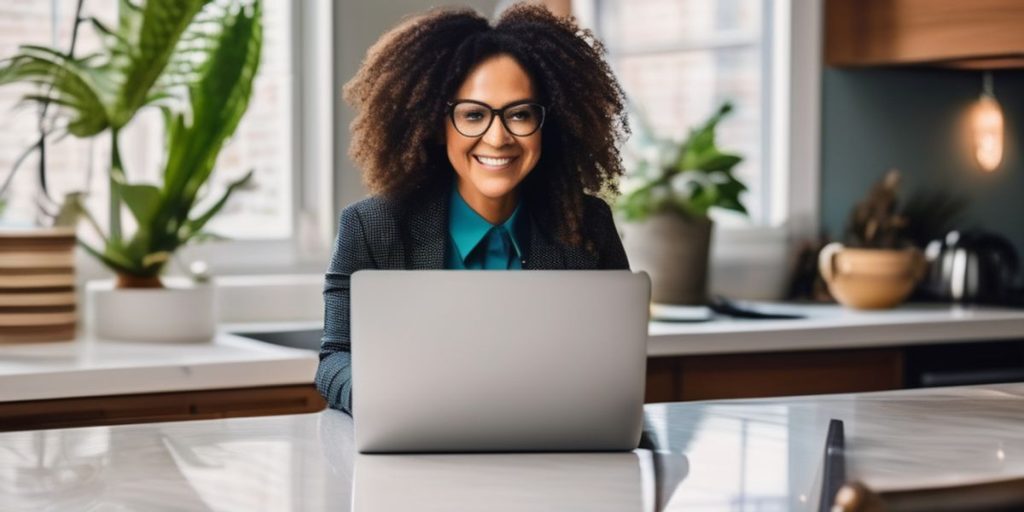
[(678, 60), (263, 141)]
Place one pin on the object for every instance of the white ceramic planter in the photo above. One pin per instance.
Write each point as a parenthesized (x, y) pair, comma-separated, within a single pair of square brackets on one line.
[(182, 312)]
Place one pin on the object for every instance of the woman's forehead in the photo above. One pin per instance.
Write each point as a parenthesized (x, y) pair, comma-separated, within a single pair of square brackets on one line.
[(497, 81)]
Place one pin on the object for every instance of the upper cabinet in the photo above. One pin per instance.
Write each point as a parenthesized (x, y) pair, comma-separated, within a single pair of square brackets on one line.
[(971, 34)]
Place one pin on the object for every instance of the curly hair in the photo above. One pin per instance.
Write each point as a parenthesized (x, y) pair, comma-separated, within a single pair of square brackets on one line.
[(401, 91)]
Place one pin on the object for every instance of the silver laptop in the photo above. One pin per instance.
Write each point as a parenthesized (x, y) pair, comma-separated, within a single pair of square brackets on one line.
[(466, 361)]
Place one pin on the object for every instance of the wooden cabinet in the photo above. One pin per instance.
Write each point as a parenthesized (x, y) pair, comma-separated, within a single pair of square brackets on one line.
[(151, 407), (975, 34), (756, 375)]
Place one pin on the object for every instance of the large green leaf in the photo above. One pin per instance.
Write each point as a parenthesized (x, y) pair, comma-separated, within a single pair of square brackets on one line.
[(223, 68), (62, 81), (194, 227), (154, 32), (702, 138), (700, 175), (106, 89), (142, 200), (710, 160), (113, 263), (221, 95), (219, 98)]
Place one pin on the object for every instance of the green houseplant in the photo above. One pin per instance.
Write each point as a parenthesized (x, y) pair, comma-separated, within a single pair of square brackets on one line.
[(193, 59), (666, 203)]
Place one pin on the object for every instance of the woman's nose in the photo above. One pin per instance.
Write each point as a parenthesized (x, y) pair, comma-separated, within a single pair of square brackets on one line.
[(497, 135)]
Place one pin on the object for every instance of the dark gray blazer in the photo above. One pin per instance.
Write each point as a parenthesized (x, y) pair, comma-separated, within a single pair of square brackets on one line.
[(375, 234)]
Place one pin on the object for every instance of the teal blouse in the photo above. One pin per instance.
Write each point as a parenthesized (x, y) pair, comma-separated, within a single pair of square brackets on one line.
[(475, 243)]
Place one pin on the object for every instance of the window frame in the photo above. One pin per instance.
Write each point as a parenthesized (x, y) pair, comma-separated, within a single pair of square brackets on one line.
[(797, 124)]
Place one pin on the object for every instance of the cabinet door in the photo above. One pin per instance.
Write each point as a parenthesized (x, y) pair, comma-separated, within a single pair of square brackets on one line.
[(980, 34), (773, 374)]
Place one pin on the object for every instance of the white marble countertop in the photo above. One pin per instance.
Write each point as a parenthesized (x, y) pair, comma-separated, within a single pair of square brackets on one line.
[(91, 367), (830, 326), (825, 327), (717, 455), (94, 367)]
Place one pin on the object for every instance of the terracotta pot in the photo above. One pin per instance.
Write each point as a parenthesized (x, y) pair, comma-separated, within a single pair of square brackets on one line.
[(870, 278), (129, 281), (673, 250)]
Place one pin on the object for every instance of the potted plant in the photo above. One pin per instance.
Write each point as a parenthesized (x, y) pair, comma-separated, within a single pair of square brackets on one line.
[(667, 197), (195, 60), (879, 265)]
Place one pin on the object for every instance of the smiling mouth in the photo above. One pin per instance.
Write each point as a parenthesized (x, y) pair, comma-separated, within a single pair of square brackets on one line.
[(494, 163)]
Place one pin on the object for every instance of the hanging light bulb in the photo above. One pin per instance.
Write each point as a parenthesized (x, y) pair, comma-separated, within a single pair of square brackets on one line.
[(987, 127)]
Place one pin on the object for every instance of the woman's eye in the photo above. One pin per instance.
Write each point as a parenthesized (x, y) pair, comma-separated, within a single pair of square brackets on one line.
[(473, 116), (521, 115)]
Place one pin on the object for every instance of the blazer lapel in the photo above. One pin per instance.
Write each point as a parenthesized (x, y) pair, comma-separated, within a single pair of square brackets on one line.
[(429, 233), (542, 253), (547, 253)]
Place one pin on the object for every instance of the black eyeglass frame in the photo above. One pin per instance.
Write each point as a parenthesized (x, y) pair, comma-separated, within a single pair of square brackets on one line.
[(497, 113)]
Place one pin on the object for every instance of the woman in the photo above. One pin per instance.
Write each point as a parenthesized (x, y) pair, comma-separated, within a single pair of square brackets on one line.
[(480, 145)]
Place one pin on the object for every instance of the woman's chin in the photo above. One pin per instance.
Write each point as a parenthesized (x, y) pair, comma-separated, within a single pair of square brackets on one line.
[(494, 189)]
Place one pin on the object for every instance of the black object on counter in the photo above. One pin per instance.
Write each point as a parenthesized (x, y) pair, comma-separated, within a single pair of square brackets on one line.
[(972, 267), (834, 474), (726, 307)]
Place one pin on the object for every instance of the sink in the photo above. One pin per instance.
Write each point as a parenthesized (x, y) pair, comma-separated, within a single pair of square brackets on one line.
[(308, 339)]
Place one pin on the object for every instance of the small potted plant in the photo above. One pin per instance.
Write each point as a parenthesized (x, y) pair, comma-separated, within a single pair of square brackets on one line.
[(667, 197), (879, 266), (195, 60)]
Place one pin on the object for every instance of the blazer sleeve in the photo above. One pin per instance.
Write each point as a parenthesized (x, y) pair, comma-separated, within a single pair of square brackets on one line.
[(351, 253), (611, 254)]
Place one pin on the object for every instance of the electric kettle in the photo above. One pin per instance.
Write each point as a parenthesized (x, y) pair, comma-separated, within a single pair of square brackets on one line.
[(972, 267)]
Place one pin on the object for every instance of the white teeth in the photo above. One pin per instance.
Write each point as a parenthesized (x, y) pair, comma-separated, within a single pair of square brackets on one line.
[(493, 161)]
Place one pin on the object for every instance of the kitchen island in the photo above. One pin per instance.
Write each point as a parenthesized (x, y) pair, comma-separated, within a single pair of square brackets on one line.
[(763, 454)]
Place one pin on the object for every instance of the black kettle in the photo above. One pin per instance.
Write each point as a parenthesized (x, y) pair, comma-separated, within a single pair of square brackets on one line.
[(973, 267)]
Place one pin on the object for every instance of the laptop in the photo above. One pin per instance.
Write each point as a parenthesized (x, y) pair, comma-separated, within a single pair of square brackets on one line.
[(498, 361)]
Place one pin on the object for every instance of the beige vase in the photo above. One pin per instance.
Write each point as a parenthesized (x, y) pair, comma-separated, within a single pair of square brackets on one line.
[(870, 278), (673, 250)]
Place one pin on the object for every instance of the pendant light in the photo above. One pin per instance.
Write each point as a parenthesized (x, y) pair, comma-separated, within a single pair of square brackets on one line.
[(987, 127)]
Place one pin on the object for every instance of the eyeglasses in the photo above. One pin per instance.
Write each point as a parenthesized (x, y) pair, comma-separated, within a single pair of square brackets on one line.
[(473, 118)]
